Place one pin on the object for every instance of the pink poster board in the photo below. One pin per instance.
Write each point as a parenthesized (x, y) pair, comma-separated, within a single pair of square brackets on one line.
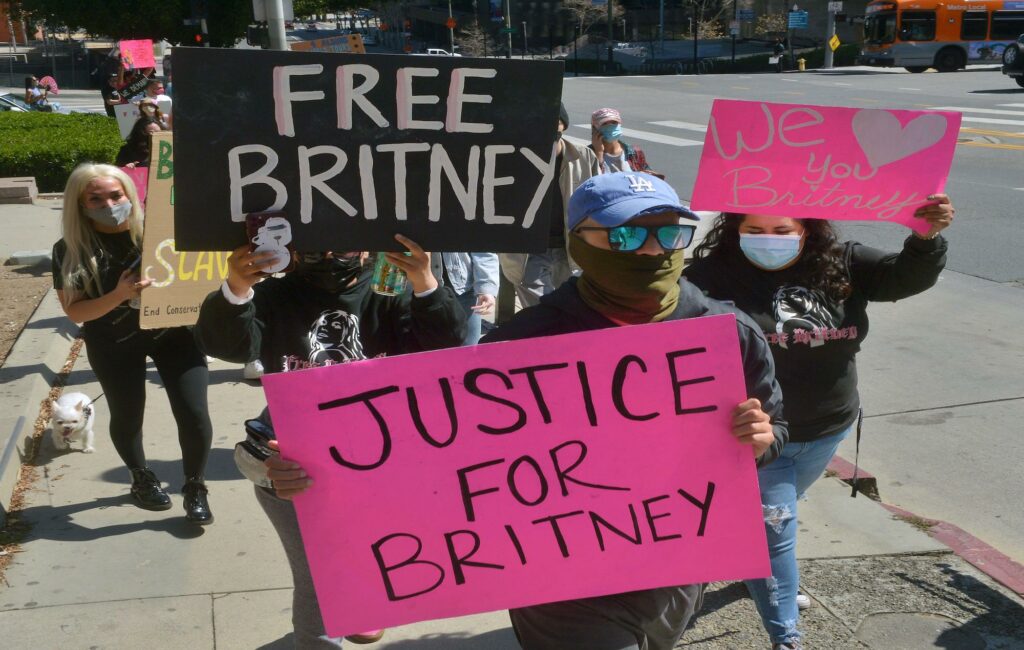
[(137, 54), (824, 162), (139, 176), (534, 495)]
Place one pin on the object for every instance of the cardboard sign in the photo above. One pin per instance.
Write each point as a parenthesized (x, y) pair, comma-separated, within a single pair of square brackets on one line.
[(347, 43), (180, 280), (495, 476), (127, 115), (139, 176), (455, 153), (137, 54), (824, 162)]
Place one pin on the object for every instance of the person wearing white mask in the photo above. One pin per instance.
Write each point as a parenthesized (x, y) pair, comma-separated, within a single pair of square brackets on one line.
[(809, 294)]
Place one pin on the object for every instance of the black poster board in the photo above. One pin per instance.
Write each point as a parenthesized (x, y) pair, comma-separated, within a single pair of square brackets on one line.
[(455, 153)]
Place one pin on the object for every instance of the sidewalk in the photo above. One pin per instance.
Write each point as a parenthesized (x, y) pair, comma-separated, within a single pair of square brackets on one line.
[(97, 572)]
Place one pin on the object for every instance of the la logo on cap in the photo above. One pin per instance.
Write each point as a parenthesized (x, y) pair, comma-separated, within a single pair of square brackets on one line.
[(639, 184)]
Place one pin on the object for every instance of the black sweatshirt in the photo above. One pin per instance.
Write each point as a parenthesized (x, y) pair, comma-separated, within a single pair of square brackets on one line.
[(815, 341), (289, 322), (563, 312)]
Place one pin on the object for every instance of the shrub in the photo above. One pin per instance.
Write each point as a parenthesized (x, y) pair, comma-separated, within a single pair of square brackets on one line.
[(49, 145)]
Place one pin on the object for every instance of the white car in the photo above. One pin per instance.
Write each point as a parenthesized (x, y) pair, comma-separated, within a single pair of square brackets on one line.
[(436, 51)]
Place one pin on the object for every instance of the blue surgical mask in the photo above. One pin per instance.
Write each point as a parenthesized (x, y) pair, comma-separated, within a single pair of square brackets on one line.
[(611, 132), (770, 252)]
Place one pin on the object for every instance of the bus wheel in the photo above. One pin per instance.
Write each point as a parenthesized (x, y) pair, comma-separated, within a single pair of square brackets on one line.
[(916, 68), (949, 60)]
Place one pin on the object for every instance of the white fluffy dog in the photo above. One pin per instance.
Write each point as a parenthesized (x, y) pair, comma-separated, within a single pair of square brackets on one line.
[(72, 420)]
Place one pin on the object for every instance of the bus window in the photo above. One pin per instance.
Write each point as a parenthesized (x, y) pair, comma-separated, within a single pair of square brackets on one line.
[(974, 26), (880, 28), (917, 26), (1007, 25)]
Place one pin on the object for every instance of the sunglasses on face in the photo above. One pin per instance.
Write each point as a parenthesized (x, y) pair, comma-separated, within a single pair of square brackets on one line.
[(314, 258), (626, 239)]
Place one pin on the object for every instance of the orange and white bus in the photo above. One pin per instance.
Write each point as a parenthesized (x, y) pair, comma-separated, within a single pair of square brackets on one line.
[(940, 34)]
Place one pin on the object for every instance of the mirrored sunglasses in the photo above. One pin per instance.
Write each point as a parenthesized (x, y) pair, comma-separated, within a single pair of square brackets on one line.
[(629, 238)]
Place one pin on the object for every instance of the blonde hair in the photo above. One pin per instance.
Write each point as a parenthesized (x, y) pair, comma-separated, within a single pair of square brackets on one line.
[(79, 266)]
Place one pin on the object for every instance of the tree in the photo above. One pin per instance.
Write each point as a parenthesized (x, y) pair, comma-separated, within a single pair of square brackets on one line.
[(153, 19), (471, 39), (586, 14)]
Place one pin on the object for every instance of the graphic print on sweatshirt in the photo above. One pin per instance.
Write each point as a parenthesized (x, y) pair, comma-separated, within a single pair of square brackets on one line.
[(805, 316), (332, 338)]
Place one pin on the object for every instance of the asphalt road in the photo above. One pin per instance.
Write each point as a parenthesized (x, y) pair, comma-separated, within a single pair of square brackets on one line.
[(986, 182)]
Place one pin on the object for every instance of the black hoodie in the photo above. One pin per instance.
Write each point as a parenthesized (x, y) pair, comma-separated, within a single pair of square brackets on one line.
[(564, 312)]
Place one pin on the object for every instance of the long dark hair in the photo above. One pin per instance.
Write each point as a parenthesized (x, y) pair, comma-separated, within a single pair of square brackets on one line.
[(138, 138), (821, 263)]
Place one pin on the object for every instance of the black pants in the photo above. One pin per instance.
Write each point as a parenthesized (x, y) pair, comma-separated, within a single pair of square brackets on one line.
[(120, 367)]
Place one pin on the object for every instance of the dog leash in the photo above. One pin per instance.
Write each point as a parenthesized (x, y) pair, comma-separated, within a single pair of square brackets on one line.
[(88, 407)]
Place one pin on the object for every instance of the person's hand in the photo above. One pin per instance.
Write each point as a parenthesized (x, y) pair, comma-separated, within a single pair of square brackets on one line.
[(130, 165), (598, 144), (245, 268), (129, 285), (938, 215), (416, 265), (287, 477), (484, 304), (752, 426)]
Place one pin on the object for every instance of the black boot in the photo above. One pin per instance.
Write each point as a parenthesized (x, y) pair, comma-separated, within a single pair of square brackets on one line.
[(197, 509), (146, 490)]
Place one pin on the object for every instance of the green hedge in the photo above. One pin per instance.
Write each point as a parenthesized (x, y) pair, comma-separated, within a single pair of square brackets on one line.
[(49, 145)]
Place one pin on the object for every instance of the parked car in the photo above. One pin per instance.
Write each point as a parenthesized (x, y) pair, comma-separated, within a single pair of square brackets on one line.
[(1013, 61), (436, 51)]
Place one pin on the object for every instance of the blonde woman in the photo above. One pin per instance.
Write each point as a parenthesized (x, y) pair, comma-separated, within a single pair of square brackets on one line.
[(95, 273)]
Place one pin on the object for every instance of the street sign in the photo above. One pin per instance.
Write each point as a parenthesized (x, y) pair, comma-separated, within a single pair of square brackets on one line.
[(798, 20), (746, 15), (450, 23), (834, 42), (835, 7), (508, 30)]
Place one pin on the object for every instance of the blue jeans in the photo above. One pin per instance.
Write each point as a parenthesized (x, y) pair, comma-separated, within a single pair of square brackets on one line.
[(473, 320), (782, 483)]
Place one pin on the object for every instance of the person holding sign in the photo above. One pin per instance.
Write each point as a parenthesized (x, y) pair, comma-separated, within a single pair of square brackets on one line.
[(627, 232), (95, 273), (322, 313), (809, 294)]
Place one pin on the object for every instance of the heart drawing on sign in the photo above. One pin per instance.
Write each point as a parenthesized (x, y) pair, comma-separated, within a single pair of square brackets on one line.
[(883, 140)]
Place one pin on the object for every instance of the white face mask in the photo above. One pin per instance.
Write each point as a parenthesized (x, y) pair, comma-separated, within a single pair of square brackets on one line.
[(771, 252), (110, 215)]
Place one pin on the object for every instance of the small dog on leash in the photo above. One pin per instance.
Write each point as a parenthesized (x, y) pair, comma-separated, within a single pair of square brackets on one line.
[(72, 420)]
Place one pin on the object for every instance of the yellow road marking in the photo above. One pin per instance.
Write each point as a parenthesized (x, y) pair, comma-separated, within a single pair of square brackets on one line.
[(1000, 134), (992, 145)]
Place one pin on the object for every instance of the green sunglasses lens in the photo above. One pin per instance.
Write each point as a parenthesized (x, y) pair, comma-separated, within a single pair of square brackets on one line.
[(626, 238), (675, 237)]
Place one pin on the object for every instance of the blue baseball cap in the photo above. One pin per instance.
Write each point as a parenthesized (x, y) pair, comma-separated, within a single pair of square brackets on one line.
[(613, 199)]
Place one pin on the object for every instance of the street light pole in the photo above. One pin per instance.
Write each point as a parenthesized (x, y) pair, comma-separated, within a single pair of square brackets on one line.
[(578, 33), (696, 30), (451, 30), (611, 35), (275, 24), (508, 28), (524, 39)]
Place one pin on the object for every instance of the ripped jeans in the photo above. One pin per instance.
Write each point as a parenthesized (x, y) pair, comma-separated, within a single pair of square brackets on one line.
[(782, 483)]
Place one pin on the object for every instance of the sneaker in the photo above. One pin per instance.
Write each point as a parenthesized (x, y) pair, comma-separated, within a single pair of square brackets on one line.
[(791, 645), (253, 370), (803, 602), (146, 490), (197, 509), (363, 638)]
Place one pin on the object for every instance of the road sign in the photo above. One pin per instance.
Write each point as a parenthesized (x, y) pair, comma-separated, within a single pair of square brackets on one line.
[(798, 20), (450, 23), (835, 7), (834, 42), (746, 15), (508, 30)]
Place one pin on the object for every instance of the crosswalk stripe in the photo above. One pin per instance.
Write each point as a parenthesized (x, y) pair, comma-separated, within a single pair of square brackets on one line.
[(983, 111), (992, 120), (691, 126), (1012, 106), (654, 137)]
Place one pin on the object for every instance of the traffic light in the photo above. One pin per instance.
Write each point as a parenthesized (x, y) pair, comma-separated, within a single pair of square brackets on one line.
[(258, 35)]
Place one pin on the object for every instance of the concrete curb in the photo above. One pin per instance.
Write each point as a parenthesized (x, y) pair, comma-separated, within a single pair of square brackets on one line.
[(25, 380)]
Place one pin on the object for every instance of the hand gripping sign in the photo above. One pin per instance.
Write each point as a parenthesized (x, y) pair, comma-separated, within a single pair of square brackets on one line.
[(824, 162), (504, 475)]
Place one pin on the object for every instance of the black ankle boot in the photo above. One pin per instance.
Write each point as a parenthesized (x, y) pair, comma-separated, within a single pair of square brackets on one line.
[(197, 509), (146, 490)]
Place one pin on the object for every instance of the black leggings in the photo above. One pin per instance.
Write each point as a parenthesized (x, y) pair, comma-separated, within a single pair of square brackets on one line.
[(120, 367)]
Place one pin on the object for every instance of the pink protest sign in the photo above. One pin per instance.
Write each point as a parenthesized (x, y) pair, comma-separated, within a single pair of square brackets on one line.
[(482, 478), (139, 176), (824, 162), (137, 54)]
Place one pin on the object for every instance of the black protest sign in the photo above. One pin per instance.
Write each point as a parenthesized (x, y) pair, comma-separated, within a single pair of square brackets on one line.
[(455, 153)]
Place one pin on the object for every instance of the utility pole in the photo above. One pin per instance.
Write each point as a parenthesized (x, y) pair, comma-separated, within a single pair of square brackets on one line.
[(451, 30), (508, 28), (275, 24), (830, 31), (524, 39)]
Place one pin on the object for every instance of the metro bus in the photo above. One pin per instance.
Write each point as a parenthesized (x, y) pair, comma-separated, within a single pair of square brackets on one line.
[(945, 35)]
